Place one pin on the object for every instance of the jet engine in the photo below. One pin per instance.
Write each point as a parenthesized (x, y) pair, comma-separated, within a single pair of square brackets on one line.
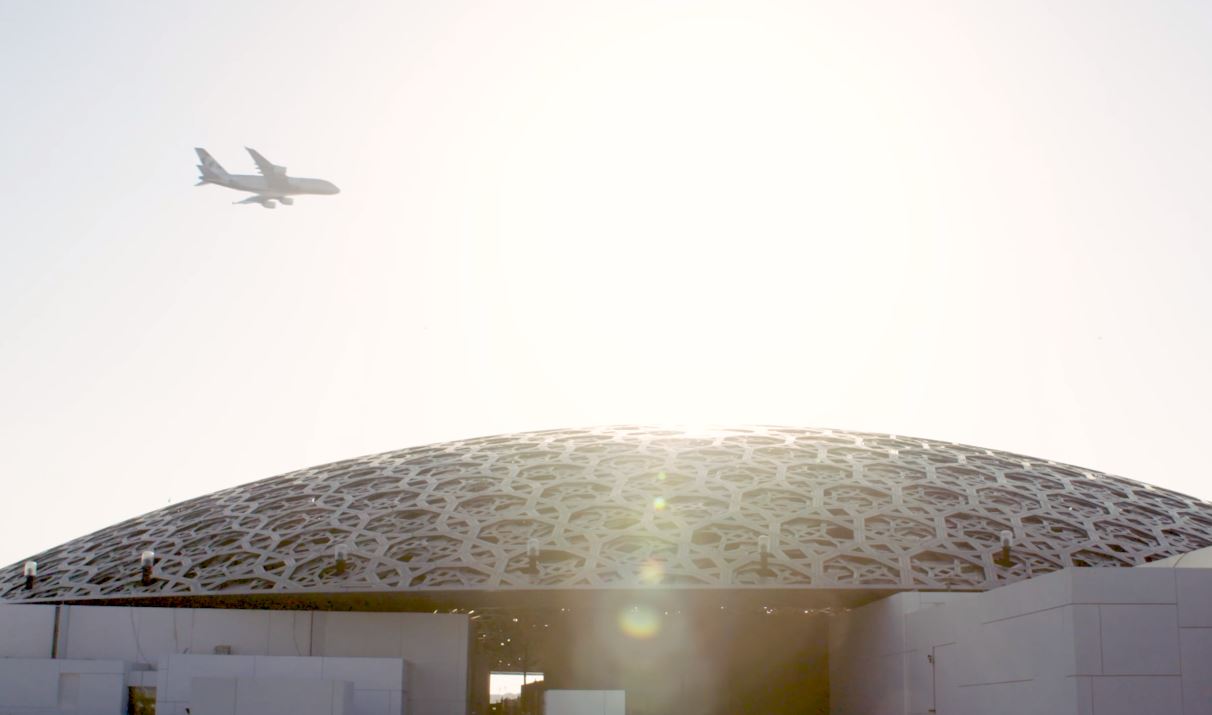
[(269, 204), (286, 201)]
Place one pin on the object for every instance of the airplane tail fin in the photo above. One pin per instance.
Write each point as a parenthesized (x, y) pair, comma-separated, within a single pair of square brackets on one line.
[(212, 172)]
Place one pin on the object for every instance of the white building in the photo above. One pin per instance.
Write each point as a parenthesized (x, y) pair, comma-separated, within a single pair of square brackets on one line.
[(772, 570)]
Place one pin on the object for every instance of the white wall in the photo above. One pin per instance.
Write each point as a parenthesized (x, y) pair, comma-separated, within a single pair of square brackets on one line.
[(378, 685), (869, 666), (26, 631), (143, 635), (41, 686), (435, 645), (1081, 641), (584, 702), (270, 696)]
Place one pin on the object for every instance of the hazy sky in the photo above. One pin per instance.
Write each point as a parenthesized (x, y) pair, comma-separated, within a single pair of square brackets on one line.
[(980, 222)]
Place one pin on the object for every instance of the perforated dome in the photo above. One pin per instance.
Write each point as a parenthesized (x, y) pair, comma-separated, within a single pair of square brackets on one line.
[(635, 507)]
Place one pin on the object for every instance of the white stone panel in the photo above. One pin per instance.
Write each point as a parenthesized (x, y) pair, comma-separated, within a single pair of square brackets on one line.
[(1084, 623), (269, 696), (1014, 649), (865, 678), (948, 696), (584, 702), (28, 683), (373, 702), (286, 696), (26, 631), (1140, 639), (1196, 651), (365, 635), (1112, 585), (145, 634), (132, 634), (43, 685), (1085, 695), (178, 671), (932, 626), (212, 696), (435, 646), (102, 694), (246, 632), (1194, 597), (289, 633), (1051, 590), (1137, 695), (367, 673), (373, 681), (275, 666)]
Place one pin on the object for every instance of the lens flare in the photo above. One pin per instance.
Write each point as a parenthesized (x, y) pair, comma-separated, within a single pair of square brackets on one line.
[(640, 622), (652, 571), (659, 504)]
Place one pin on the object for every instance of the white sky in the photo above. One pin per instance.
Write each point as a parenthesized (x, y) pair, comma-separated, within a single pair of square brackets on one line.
[(979, 222)]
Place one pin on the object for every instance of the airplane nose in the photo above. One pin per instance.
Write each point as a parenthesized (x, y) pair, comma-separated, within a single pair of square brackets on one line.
[(334, 188)]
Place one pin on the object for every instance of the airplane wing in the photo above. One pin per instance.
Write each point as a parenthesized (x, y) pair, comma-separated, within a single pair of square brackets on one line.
[(265, 201), (273, 173)]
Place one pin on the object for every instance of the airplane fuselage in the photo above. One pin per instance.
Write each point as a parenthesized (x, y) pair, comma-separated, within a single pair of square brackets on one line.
[(290, 186)]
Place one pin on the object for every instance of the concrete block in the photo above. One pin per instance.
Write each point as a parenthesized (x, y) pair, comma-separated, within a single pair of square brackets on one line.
[(1140, 639), (1194, 597), (1195, 646), (1135, 695)]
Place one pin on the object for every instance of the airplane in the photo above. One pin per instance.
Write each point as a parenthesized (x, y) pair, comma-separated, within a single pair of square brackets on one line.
[(272, 185)]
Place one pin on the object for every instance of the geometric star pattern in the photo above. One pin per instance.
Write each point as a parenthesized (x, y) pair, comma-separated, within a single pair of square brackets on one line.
[(634, 507)]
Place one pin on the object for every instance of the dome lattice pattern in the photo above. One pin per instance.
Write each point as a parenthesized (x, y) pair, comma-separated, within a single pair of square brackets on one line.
[(624, 507)]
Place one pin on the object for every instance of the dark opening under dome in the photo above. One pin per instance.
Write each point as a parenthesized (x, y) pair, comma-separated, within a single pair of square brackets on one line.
[(634, 507)]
